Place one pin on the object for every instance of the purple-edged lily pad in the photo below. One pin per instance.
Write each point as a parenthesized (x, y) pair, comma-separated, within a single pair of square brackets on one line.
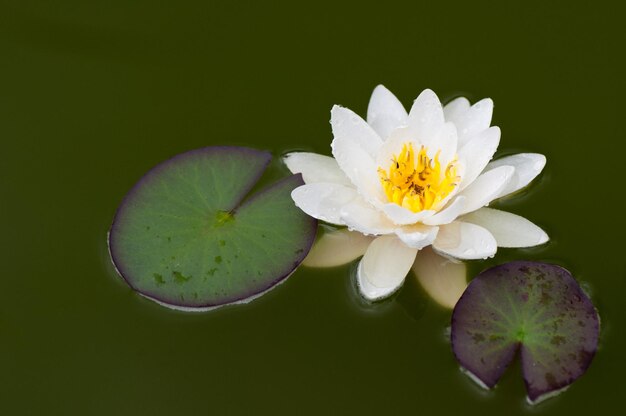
[(535, 307), (188, 237)]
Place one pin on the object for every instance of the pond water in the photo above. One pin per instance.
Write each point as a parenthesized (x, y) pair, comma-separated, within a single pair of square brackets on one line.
[(94, 95)]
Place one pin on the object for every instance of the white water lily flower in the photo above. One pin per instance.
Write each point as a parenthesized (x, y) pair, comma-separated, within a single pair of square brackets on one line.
[(403, 183)]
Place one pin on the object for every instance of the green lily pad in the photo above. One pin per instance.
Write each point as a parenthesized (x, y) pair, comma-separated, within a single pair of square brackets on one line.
[(185, 237), (535, 307)]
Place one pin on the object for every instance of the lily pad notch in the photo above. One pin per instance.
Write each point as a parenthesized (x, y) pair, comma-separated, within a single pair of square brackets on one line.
[(536, 308), (189, 237)]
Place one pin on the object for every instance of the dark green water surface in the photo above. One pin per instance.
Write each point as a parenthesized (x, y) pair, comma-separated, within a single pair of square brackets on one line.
[(93, 94)]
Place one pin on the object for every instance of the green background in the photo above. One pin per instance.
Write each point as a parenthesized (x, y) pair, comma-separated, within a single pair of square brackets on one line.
[(93, 94)]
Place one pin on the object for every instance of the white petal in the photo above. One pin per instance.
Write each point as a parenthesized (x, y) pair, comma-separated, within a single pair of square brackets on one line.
[(454, 110), (527, 167), (323, 200), (347, 125), (472, 120), (445, 143), (384, 266), (361, 216), (448, 214), (486, 188), (385, 112), (444, 280), (509, 230), (426, 117), (476, 153), (466, 241), (417, 236), (402, 216), (393, 146), (354, 147), (316, 168), (337, 247)]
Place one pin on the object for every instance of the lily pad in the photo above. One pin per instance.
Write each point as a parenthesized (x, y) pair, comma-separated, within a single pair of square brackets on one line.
[(187, 237), (537, 308)]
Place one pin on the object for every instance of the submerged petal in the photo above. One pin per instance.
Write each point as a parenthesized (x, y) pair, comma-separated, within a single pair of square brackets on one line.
[(527, 167), (385, 112), (337, 247), (384, 266), (323, 200), (443, 279), (465, 241), (508, 229), (316, 168)]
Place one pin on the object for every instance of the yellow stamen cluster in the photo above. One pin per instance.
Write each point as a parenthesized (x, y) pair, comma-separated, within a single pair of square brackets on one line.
[(417, 182)]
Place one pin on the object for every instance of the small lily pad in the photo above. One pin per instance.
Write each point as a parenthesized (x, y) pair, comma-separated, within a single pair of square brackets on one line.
[(535, 307), (187, 237)]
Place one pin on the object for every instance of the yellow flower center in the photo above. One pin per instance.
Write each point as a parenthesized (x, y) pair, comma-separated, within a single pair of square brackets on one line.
[(417, 182)]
